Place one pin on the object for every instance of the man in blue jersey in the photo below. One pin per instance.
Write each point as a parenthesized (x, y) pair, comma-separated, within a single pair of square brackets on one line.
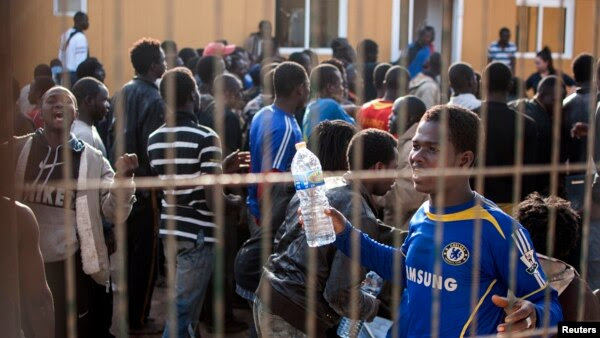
[(326, 81), (430, 268), (274, 130)]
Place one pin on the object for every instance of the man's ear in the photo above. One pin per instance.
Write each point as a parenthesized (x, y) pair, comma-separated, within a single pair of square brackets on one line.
[(88, 100), (467, 159), (379, 166)]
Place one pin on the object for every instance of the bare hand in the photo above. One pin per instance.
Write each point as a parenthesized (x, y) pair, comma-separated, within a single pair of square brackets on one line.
[(238, 161), (126, 165), (579, 130), (338, 220), (521, 316)]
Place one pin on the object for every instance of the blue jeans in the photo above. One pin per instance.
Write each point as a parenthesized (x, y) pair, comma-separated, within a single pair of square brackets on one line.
[(195, 264)]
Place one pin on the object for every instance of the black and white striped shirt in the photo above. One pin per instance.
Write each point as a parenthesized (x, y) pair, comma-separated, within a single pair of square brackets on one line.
[(197, 151)]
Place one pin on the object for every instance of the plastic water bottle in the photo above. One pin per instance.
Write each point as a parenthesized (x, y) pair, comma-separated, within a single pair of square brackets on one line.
[(371, 286), (310, 185)]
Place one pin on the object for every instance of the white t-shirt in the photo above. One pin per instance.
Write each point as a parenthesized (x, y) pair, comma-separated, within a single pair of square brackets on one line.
[(75, 52)]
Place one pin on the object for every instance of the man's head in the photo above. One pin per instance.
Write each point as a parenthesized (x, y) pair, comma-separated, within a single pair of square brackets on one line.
[(81, 21), (326, 80), (498, 77), (534, 214), (433, 64), (238, 65), (302, 59), (329, 141), (291, 83), (426, 35), (232, 90), (462, 78), (170, 49), (367, 50), (379, 77), (583, 67), (38, 87), (379, 152), (546, 93), (42, 70), (59, 109), (185, 54), (340, 67), (504, 35), (406, 111), (179, 82), (208, 68), (396, 81), (92, 98), (91, 67), (264, 28), (148, 58), (461, 146)]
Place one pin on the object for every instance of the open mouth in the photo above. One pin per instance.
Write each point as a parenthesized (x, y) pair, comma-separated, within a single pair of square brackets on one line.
[(58, 116)]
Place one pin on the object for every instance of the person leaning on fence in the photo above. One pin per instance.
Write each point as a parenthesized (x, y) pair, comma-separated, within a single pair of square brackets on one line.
[(287, 271), (39, 174), (534, 214), (459, 211)]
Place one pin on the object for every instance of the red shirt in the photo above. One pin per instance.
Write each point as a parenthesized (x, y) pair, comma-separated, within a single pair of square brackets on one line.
[(375, 114)]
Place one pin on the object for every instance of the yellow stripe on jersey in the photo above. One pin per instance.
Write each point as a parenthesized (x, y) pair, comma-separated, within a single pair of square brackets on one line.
[(476, 212), (534, 292), (464, 330)]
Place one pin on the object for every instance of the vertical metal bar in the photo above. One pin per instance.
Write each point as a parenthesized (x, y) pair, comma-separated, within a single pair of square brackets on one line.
[(218, 197), (117, 49), (169, 242), (590, 169)]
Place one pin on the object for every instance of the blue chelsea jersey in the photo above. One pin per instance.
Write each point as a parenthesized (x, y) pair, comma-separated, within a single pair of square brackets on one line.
[(453, 279)]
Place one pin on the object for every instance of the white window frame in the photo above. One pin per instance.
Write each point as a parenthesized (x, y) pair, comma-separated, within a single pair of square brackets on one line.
[(56, 4), (457, 28), (569, 5), (342, 30)]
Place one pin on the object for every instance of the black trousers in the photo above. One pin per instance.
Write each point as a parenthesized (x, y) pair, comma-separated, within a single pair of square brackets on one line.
[(84, 284), (142, 250)]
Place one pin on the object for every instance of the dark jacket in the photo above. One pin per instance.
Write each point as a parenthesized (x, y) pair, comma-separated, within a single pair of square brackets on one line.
[(287, 269), (142, 109), (501, 138), (543, 126), (576, 108)]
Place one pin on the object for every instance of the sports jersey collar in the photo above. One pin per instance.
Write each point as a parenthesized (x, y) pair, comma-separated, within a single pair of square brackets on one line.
[(279, 110), (455, 208)]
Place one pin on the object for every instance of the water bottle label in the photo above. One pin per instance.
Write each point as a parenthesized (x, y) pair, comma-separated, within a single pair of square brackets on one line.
[(309, 179)]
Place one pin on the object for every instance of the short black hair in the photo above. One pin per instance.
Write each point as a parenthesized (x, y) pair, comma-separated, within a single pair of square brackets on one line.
[(169, 46), (323, 76), (367, 50), (503, 29), (184, 85), (534, 214), (463, 125), (263, 22), (288, 76), (39, 86), (498, 77), (84, 87), (408, 109), (88, 68), (583, 66), (329, 141), (55, 62), (379, 74), (548, 84), (42, 70), (187, 53), (208, 68), (79, 16), (397, 79), (227, 82), (301, 58), (377, 146), (144, 53), (337, 64), (314, 58), (460, 75), (192, 63), (435, 63)]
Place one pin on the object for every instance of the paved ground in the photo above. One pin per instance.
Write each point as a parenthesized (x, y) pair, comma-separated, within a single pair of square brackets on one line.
[(158, 311)]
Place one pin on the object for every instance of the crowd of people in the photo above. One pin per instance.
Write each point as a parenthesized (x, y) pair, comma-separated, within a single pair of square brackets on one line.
[(226, 109)]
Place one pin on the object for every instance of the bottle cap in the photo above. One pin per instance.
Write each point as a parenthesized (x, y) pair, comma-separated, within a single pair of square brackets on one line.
[(300, 145)]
